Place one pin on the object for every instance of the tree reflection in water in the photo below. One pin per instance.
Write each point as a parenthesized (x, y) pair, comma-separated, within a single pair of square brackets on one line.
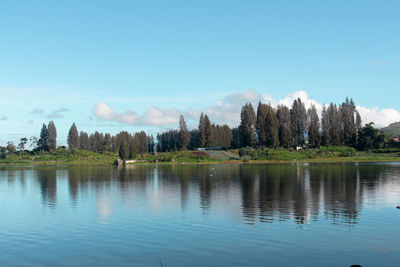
[(263, 193)]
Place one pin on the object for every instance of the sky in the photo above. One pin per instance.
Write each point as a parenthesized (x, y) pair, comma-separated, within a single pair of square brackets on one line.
[(137, 65)]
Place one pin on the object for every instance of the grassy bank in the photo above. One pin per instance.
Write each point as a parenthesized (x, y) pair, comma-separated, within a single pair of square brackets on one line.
[(323, 154), (59, 156)]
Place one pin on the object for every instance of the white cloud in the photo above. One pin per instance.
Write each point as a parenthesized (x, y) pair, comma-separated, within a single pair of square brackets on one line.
[(227, 111), (160, 117), (104, 112), (381, 117), (153, 116)]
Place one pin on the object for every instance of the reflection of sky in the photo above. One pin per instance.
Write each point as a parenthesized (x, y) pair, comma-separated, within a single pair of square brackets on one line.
[(104, 206)]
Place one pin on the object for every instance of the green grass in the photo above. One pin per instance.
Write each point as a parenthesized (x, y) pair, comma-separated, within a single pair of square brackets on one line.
[(60, 156), (180, 157), (323, 154)]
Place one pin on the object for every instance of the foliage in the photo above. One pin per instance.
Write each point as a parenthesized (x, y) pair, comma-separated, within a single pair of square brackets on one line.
[(52, 136), (370, 138), (184, 135), (73, 137), (247, 125)]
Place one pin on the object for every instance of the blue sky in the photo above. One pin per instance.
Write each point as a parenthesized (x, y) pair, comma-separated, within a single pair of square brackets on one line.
[(65, 60)]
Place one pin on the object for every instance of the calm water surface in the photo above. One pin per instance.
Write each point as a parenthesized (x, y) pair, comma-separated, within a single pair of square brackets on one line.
[(205, 215)]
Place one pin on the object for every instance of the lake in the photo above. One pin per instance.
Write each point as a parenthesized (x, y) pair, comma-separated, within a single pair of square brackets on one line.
[(201, 215)]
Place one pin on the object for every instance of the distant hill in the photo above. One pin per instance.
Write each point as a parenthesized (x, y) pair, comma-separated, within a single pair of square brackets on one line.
[(393, 129)]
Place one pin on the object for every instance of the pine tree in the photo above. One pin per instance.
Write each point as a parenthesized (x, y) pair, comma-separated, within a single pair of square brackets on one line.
[(260, 123), (235, 138), (123, 151), (207, 131), (43, 141), (202, 136), (52, 141), (347, 112), (314, 135), (325, 125), (357, 124), (227, 136), (83, 141), (194, 139), (271, 128), (246, 127), (298, 118), (73, 138), (285, 132), (107, 142), (335, 129), (184, 135)]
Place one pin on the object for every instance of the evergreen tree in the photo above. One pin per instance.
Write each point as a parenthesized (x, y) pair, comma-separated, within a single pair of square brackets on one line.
[(52, 141), (207, 131), (202, 139), (246, 127), (298, 119), (107, 142), (326, 136), (184, 135), (123, 151), (140, 143), (335, 129), (260, 123), (227, 136), (43, 141), (83, 141), (150, 144), (235, 138), (73, 138), (271, 128), (285, 131), (194, 139), (347, 112), (358, 124), (314, 135)]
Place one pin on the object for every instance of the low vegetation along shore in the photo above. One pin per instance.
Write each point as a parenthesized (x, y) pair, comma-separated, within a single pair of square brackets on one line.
[(323, 154)]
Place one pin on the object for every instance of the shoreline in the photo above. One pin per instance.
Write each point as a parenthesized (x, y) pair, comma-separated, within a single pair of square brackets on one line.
[(220, 162)]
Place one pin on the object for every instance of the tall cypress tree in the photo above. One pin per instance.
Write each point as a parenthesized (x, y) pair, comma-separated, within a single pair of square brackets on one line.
[(347, 112), (202, 136), (298, 118), (335, 129), (325, 127), (184, 135), (271, 127), (314, 135), (246, 127), (358, 124), (44, 139), (123, 151), (260, 123), (73, 138), (83, 140), (207, 131), (52, 141), (107, 142), (285, 131)]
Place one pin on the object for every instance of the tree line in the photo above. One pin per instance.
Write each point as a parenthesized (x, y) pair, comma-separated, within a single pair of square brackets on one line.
[(267, 127)]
